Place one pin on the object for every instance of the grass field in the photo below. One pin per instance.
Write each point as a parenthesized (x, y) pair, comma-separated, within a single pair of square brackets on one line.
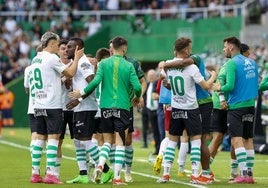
[(15, 166)]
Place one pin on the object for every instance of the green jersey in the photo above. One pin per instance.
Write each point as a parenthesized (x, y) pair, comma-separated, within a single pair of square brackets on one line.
[(137, 67), (264, 84), (138, 71), (117, 77), (241, 82), (221, 79)]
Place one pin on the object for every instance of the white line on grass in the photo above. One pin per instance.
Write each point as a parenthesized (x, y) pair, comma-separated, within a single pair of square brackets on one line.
[(133, 172)]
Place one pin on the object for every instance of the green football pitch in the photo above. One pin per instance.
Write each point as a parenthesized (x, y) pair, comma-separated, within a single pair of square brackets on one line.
[(15, 166)]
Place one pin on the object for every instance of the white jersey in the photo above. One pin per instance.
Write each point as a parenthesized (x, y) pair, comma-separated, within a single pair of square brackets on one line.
[(84, 69), (46, 76), (183, 88), (98, 96), (27, 73), (65, 92)]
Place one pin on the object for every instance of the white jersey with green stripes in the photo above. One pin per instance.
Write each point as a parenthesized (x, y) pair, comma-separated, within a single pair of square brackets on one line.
[(45, 81), (182, 82), (26, 84), (84, 69)]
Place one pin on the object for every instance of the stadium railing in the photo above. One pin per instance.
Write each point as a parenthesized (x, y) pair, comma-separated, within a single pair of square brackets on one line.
[(237, 9)]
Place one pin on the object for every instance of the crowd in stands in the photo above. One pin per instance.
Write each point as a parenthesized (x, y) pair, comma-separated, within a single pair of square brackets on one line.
[(17, 46), (57, 5)]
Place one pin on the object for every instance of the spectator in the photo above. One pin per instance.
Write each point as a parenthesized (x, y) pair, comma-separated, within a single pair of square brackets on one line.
[(7, 99), (113, 5), (152, 106), (93, 26), (10, 24)]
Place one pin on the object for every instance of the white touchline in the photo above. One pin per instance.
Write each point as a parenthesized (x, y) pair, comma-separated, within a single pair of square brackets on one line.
[(133, 172)]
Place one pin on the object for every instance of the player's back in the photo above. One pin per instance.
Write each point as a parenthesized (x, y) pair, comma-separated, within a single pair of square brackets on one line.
[(117, 81)]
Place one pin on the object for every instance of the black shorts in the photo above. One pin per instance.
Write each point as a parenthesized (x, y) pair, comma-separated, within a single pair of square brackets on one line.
[(114, 120), (33, 123), (49, 121), (218, 121), (67, 119), (240, 122), (131, 121), (185, 119), (205, 111), (98, 125), (84, 124)]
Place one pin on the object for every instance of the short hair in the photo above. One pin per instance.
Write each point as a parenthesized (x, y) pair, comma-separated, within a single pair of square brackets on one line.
[(63, 41), (47, 36), (39, 48), (118, 42), (233, 40), (101, 53), (243, 48), (78, 41), (181, 43), (90, 55)]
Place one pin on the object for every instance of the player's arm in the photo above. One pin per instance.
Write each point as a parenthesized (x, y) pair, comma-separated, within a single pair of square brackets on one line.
[(207, 84), (71, 70), (230, 78), (143, 89), (26, 81), (166, 84), (176, 63), (27, 91), (264, 84), (73, 103), (90, 87), (136, 86)]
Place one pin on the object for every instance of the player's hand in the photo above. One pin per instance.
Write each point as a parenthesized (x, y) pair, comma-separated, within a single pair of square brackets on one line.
[(71, 104), (165, 83), (155, 96), (216, 87), (75, 94), (78, 53), (141, 103), (135, 101), (165, 67), (224, 105), (68, 83)]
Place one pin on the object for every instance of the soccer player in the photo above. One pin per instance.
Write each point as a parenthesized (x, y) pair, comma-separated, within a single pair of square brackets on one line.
[(35, 178), (242, 88), (219, 118), (185, 111), (129, 147), (84, 113), (117, 77), (67, 114), (107, 174), (205, 107), (165, 99), (45, 81), (97, 137)]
